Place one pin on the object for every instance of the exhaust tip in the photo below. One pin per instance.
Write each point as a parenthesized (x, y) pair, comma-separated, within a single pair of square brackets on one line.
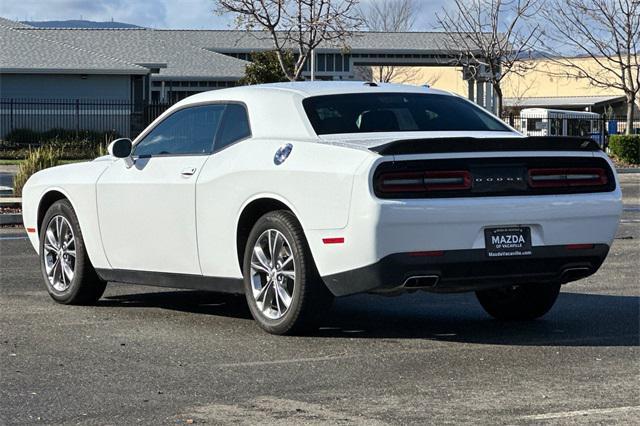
[(574, 274), (421, 281)]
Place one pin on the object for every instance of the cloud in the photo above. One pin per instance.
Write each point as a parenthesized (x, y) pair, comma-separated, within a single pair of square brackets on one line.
[(174, 14)]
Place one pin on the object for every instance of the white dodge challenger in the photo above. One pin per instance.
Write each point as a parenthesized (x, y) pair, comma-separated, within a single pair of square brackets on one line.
[(295, 193)]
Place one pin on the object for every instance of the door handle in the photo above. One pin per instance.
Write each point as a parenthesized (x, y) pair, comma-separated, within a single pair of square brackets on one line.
[(188, 171)]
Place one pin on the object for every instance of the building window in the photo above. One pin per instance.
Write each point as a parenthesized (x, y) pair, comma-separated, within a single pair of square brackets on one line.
[(330, 62), (339, 62), (321, 62)]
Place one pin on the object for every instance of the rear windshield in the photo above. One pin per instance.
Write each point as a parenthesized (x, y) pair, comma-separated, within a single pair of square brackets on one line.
[(396, 112)]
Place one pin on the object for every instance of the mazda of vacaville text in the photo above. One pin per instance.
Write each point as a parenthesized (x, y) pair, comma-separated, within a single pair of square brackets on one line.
[(295, 193)]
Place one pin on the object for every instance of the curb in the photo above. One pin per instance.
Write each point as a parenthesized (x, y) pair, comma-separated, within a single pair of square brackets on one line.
[(8, 201), (6, 191), (11, 219), (628, 171)]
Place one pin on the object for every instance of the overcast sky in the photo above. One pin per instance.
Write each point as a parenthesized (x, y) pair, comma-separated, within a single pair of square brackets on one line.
[(174, 14)]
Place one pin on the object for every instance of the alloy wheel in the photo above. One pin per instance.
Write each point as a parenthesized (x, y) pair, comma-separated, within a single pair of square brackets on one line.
[(59, 253), (272, 274)]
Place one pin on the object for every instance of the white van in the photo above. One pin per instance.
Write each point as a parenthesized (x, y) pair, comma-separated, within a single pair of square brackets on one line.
[(557, 122)]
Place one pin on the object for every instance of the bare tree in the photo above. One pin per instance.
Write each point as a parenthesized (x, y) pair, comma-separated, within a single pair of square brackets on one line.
[(607, 33), (296, 25), (386, 74), (495, 36), (391, 16)]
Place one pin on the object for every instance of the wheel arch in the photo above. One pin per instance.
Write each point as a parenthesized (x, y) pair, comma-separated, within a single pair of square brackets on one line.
[(46, 201), (251, 212)]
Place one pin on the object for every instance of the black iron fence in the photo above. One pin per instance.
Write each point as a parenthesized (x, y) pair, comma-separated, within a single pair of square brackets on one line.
[(570, 123), (120, 117)]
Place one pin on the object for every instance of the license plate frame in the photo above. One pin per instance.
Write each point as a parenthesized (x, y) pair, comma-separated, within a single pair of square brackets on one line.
[(508, 241)]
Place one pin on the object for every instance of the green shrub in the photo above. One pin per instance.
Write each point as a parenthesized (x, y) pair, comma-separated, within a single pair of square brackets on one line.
[(626, 147), (22, 137), (32, 137), (265, 68), (38, 159), (69, 149)]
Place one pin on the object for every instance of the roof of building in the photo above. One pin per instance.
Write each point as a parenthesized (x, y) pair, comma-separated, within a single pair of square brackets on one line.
[(28, 52), (235, 40), (561, 101), (179, 58), (186, 54)]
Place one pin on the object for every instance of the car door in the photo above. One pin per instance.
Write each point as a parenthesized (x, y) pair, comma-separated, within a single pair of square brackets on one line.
[(147, 212)]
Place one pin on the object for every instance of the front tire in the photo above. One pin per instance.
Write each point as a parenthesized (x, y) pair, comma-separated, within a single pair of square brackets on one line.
[(67, 271), (519, 302), (282, 286)]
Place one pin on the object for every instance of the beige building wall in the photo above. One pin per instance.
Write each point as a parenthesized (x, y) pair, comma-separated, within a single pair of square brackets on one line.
[(539, 82)]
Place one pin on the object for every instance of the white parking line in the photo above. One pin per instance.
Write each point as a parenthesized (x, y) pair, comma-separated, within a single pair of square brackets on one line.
[(593, 411), (14, 238)]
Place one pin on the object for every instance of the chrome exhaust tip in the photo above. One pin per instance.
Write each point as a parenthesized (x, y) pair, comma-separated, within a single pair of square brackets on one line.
[(421, 282), (573, 274)]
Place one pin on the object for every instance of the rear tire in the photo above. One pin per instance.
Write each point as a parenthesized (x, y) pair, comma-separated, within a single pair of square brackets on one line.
[(282, 286), (520, 302), (67, 271)]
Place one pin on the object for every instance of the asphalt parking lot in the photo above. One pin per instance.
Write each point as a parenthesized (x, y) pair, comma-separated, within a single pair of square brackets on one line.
[(157, 356)]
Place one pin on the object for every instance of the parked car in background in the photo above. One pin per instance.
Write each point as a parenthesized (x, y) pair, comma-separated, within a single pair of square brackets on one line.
[(295, 193)]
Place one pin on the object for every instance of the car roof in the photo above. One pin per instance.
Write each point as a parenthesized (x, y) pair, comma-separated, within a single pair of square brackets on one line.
[(318, 88), (304, 89)]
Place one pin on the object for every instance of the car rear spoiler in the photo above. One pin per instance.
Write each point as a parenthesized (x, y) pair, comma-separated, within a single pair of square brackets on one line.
[(467, 144)]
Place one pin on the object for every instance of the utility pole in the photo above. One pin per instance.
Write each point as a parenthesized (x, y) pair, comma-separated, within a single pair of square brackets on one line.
[(313, 65), (313, 51)]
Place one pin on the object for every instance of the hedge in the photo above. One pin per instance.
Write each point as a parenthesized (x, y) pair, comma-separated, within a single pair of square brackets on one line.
[(626, 147), (18, 143), (32, 137)]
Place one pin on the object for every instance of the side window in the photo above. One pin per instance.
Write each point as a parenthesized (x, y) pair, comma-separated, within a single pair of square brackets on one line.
[(234, 126), (187, 131)]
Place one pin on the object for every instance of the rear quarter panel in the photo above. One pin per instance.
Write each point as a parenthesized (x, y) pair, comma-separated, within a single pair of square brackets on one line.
[(315, 182)]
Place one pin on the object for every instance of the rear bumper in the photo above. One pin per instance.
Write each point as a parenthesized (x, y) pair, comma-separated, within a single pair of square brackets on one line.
[(469, 270)]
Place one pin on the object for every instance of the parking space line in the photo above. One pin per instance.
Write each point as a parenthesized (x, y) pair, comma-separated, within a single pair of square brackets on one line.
[(14, 238), (593, 411)]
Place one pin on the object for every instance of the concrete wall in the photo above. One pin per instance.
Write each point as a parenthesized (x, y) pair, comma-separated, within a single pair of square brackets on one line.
[(50, 86)]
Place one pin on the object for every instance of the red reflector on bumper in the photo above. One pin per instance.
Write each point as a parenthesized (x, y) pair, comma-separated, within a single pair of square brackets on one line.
[(31, 230), (427, 253), (579, 246), (339, 240)]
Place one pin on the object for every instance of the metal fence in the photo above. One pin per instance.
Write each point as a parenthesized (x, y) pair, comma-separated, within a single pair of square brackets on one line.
[(571, 123), (122, 117)]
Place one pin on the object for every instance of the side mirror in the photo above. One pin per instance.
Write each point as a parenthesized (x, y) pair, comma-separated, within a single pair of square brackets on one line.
[(121, 148)]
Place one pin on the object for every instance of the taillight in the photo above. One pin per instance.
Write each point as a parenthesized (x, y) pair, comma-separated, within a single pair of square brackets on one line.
[(567, 177), (424, 181)]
